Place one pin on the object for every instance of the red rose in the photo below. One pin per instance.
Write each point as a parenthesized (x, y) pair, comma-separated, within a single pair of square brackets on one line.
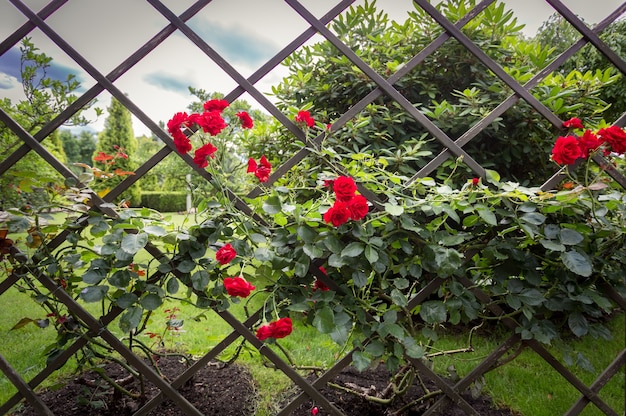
[(261, 170), (319, 285), (215, 105), (588, 143), (566, 150), (338, 214), (304, 118), (358, 207), (615, 137), (344, 188), (225, 254), (245, 119), (208, 150), (281, 328), (264, 332), (573, 123), (181, 141), (238, 286), (277, 329), (176, 122)]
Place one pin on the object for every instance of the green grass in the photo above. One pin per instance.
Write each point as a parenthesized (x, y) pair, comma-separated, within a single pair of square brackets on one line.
[(528, 384), (531, 386)]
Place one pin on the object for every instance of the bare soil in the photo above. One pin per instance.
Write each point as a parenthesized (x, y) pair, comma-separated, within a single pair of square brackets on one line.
[(230, 391)]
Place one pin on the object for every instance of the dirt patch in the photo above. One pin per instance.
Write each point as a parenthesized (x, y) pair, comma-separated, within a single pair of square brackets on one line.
[(215, 390), (229, 391), (374, 382)]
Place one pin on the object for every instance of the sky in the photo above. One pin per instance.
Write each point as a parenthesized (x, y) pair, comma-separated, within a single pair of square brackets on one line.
[(245, 32)]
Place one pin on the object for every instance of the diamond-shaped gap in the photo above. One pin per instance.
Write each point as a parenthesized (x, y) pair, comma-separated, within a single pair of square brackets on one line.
[(115, 30), (25, 362), (58, 69), (159, 84), (247, 34), (516, 145), (581, 63)]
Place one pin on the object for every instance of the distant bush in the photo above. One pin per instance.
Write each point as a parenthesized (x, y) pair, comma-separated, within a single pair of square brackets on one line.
[(164, 201)]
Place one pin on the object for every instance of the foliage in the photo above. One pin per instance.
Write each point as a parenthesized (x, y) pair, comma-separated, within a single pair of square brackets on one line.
[(450, 86), (78, 148), (559, 34), (45, 98), (541, 257)]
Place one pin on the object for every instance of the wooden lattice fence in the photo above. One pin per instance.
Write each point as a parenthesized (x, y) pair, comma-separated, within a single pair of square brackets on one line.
[(453, 148)]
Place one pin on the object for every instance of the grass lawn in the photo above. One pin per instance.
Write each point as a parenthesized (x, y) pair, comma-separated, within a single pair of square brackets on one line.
[(527, 384)]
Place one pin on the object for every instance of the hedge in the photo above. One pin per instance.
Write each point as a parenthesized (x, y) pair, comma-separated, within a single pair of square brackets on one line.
[(164, 201)]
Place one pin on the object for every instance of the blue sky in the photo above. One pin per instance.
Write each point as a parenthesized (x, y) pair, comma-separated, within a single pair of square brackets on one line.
[(244, 32)]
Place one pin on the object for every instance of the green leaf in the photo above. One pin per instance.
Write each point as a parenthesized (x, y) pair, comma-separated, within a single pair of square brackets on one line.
[(306, 233), (577, 263), (412, 348), (131, 319), (324, 320), (200, 279), (120, 279), (126, 300), (395, 210), (132, 243), (313, 251), (272, 205), (155, 230), (94, 276), (433, 311), (398, 298), (93, 293), (375, 348), (359, 279), (186, 266), (487, 215), (578, 324), (353, 249), (172, 286), (570, 237), (371, 254), (151, 301), (532, 297), (360, 360), (441, 260), (302, 266), (533, 218), (552, 245)]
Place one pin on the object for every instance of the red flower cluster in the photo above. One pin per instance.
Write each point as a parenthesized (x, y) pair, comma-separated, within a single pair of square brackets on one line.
[(567, 149), (210, 121), (348, 206), (225, 254), (238, 287), (276, 329), (303, 118), (261, 170)]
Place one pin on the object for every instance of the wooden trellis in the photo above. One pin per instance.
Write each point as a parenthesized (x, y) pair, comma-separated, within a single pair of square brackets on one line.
[(98, 326)]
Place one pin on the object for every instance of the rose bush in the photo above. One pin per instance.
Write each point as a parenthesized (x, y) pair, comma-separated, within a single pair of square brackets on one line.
[(356, 268)]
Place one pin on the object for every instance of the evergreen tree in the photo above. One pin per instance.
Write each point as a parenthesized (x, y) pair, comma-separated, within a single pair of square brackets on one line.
[(117, 140)]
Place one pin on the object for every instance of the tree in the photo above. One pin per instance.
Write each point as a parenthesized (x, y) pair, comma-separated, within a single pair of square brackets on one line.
[(45, 99), (78, 148), (117, 139), (451, 87)]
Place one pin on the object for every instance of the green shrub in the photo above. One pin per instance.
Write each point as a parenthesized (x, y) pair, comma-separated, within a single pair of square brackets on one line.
[(164, 201)]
